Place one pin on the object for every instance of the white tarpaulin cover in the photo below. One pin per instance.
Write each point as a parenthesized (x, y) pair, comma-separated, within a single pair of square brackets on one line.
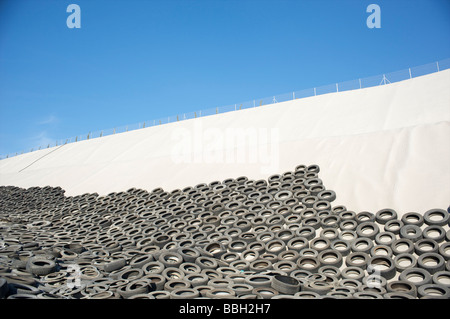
[(379, 147)]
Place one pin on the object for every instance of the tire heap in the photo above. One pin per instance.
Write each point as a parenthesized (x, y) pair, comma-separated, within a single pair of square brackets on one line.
[(277, 238)]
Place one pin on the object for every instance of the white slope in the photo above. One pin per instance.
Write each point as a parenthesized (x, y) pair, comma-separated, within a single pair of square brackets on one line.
[(379, 147)]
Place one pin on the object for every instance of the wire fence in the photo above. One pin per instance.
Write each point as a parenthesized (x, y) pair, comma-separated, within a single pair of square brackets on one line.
[(377, 80)]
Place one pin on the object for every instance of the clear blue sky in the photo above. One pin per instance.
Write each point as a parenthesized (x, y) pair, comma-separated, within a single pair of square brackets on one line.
[(135, 60)]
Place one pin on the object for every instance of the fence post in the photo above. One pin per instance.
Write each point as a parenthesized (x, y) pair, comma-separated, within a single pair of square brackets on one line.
[(360, 84), (314, 91), (437, 64), (337, 88), (410, 73), (293, 95)]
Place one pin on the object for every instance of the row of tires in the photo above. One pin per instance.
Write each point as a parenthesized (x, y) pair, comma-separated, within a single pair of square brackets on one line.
[(239, 238)]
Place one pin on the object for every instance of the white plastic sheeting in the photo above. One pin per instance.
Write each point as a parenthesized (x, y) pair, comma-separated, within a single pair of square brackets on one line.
[(380, 147)]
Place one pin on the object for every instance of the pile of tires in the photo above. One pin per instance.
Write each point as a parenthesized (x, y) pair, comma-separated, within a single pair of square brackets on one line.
[(278, 238)]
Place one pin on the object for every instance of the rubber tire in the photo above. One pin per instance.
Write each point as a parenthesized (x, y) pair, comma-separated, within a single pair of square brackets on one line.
[(285, 284)]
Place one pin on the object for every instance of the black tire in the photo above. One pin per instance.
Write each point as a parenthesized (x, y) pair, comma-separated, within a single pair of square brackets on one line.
[(330, 257), (184, 293), (400, 286), (442, 220), (411, 232), (285, 284), (138, 261), (353, 273), (170, 259), (431, 262), (40, 267), (404, 261), (385, 215), (114, 265), (387, 262), (433, 291), (425, 245), (442, 278), (412, 218), (421, 276), (357, 259), (434, 232), (393, 226), (402, 246), (367, 229)]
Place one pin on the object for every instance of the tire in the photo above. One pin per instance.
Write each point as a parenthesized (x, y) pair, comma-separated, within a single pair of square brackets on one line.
[(393, 226), (320, 244), (375, 251), (327, 195), (342, 246), (400, 260), (197, 279), (40, 267), (437, 262), (442, 220), (357, 259), (365, 217), (206, 262), (402, 246), (285, 284), (423, 275), (362, 245), (385, 238), (171, 285), (257, 281), (425, 245), (115, 265), (241, 289), (442, 278), (140, 260), (385, 215), (221, 293), (433, 291), (308, 263), (412, 218), (170, 259), (325, 255), (135, 287), (400, 286), (184, 293), (445, 251), (434, 232), (376, 261), (367, 229), (353, 273), (411, 232)]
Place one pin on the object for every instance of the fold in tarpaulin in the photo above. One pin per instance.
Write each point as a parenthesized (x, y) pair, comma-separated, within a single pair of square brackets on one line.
[(379, 147)]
